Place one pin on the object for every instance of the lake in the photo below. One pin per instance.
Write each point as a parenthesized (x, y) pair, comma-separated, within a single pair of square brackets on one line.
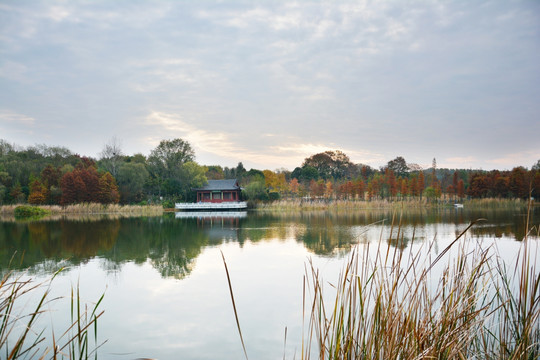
[(165, 286)]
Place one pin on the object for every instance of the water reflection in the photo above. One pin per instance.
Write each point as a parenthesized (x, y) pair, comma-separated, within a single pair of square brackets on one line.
[(173, 242)]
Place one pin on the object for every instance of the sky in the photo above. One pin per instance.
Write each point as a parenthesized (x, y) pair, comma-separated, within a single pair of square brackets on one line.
[(269, 83)]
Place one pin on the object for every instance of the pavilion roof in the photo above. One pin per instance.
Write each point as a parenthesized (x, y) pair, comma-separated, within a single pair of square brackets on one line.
[(229, 184)]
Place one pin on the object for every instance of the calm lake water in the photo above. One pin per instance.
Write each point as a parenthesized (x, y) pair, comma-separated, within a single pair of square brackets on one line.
[(166, 290)]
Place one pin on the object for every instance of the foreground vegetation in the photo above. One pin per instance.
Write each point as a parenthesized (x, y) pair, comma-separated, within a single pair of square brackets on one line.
[(21, 337), (466, 303)]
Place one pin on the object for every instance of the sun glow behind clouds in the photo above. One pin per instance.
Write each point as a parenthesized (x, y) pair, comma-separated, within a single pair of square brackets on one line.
[(286, 152)]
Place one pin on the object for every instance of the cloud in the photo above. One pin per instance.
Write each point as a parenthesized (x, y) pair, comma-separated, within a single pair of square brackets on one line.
[(300, 151), (274, 151), (174, 125), (14, 118), (459, 162), (449, 79), (510, 160)]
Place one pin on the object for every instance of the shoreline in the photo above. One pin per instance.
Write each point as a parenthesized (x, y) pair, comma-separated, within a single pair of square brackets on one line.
[(331, 204), (89, 209), (279, 205)]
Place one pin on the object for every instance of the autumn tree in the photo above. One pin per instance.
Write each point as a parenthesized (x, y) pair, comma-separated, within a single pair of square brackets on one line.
[(403, 187), (294, 186), (51, 175), (317, 188), (81, 184), (329, 189), (536, 183), (108, 190), (461, 189), (420, 184), (391, 182), (478, 187), (413, 185), (38, 193), (73, 188), (518, 184), (501, 186)]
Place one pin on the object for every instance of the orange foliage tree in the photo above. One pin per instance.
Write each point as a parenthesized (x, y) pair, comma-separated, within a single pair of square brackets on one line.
[(38, 193), (108, 191)]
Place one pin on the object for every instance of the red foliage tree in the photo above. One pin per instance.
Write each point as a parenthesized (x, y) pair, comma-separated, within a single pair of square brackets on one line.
[(413, 186), (294, 186), (536, 184), (455, 180), (80, 185), (420, 184), (451, 190), (478, 186), (461, 189), (518, 184), (391, 182), (501, 186)]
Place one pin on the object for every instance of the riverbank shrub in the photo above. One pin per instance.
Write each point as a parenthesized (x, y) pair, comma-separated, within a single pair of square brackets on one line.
[(25, 211)]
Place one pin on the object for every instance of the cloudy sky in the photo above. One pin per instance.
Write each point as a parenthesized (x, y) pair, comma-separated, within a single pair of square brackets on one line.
[(269, 83)]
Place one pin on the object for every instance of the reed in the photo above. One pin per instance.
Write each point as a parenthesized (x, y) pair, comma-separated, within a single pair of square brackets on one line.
[(464, 304), (21, 339), (496, 203), (387, 204), (339, 204), (92, 208)]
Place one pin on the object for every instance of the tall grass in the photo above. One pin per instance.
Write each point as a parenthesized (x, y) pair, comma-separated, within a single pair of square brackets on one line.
[(408, 203), (464, 304), (496, 203), (21, 339), (338, 204), (91, 208)]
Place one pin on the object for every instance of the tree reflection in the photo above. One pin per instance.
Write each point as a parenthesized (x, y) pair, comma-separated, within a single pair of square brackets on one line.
[(171, 245)]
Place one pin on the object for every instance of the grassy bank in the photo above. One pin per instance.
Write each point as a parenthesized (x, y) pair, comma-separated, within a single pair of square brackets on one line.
[(328, 204), (89, 209)]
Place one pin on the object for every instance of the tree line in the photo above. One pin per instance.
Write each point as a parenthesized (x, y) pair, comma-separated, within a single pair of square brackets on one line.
[(42, 174)]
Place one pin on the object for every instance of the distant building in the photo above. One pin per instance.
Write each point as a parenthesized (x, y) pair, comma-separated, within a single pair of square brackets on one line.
[(219, 191)]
